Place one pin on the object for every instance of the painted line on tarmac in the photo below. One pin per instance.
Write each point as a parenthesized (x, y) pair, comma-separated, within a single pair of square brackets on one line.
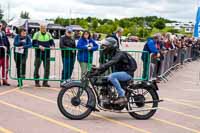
[(9, 91), (162, 108), (118, 122), (180, 113), (3, 130), (189, 101), (182, 103), (176, 125), (42, 117), (96, 115), (161, 120), (190, 90)]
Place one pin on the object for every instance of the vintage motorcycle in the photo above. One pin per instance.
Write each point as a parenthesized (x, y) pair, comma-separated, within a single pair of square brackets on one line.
[(77, 99)]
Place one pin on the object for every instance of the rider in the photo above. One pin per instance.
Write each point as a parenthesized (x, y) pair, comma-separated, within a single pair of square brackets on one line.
[(123, 65)]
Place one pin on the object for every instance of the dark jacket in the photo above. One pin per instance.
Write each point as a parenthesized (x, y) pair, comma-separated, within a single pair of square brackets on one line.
[(4, 42), (18, 42), (122, 62), (83, 53), (67, 42)]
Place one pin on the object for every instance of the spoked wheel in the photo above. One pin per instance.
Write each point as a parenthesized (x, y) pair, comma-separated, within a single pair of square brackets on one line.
[(142, 98), (73, 106)]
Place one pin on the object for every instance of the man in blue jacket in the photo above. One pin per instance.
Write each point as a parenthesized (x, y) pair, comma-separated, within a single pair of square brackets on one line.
[(150, 48)]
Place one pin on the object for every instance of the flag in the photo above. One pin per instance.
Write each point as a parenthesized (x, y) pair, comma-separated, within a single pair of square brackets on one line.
[(197, 24)]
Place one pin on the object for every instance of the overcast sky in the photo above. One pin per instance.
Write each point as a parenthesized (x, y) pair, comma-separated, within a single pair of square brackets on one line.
[(183, 10)]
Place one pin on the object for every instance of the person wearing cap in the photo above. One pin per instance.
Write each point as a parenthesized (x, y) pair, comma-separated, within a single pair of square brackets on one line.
[(67, 43), (117, 35), (4, 57), (21, 42), (44, 43), (149, 48)]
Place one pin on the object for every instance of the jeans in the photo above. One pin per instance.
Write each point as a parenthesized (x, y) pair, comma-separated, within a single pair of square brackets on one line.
[(68, 66), (183, 56), (115, 79), (145, 70)]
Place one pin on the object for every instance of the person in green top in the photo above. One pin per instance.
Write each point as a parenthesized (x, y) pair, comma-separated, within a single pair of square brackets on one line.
[(44, 43)]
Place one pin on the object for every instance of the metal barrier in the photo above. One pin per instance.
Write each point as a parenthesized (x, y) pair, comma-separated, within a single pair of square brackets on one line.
[(31, 60), (3, 63), (171, 60)]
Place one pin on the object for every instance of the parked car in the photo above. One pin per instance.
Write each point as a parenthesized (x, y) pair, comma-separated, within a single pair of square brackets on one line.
[(133, 39)]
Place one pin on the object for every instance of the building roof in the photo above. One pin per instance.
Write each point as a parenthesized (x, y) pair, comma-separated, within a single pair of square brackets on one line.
[(75, 27), (32, 22), (55, 26)]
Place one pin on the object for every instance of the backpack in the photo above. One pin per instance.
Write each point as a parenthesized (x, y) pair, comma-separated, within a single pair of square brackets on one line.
[(132, 63)]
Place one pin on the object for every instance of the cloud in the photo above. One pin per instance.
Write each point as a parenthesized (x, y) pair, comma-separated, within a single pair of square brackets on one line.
[(41, 9)]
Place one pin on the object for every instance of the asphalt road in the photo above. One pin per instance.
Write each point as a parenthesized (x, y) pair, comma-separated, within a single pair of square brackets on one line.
[(34, 110)]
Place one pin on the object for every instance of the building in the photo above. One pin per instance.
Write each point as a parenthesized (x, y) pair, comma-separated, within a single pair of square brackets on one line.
[(188, 27), (34, 26)]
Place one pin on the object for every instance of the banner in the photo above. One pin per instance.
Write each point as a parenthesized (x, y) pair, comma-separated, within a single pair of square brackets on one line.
[(197, 25)]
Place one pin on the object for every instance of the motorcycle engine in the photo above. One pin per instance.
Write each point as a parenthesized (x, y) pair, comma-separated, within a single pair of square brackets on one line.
[(108, 94)]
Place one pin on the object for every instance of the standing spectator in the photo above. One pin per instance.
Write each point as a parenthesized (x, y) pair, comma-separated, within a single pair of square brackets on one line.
[(168, 42), (44, 43), (117, 35), (86, 46), (95, 36), (183, 49), (21, 42), (77, 35), (4, 25), (68, 56), (32, 32), (4, 57), (99, 37), (150, 48)]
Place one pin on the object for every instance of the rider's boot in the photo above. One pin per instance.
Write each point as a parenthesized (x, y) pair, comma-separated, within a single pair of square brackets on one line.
[(121, 100)]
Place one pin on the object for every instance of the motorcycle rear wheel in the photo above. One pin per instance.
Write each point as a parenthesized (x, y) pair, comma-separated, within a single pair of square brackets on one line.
[(140, 99)]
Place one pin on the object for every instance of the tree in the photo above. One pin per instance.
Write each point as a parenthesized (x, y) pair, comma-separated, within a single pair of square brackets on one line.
[(159, 24), (94, 24), (143, 32), (24, 15), (83, 23), (1, 13), (173, 31)]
